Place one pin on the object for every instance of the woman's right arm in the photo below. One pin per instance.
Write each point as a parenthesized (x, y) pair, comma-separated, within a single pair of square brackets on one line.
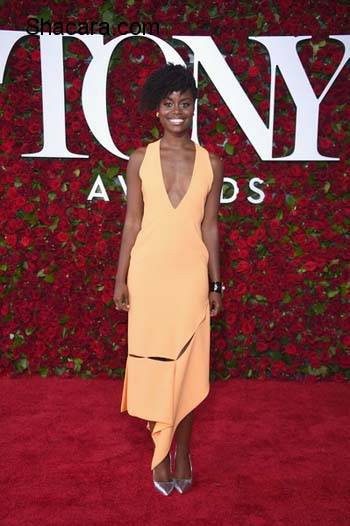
[(132, 225)]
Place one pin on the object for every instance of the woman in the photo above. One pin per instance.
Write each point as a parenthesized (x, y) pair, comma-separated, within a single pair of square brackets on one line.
[(169, 245)]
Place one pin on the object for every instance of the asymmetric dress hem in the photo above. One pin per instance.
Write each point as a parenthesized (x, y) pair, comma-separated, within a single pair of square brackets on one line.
[(168, 316)]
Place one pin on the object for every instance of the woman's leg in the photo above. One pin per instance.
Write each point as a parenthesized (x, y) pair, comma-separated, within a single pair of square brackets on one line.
[(162, 470), (183, 437)]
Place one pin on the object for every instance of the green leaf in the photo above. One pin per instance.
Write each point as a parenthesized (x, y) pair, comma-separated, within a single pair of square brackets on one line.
[(43, 371), (108, 17), (287, 298), (318, 308), (21, 364), (290, 200), (260, 21), (220, 127), (229, 148), (316, 47), (298, 251), (54, 224), (344, 288), (45, 13), (332, 293), (77, 364), (276, 355), (112, 171), (259, 297), (337, 126)]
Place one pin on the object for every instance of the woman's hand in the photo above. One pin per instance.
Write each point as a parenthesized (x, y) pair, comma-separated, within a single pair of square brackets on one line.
[(121, 295), (215, 302)]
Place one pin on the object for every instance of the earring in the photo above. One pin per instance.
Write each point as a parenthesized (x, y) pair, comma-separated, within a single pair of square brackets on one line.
[(157, 114)]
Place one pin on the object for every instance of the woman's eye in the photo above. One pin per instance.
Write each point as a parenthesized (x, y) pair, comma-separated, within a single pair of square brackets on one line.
[(183, 105)]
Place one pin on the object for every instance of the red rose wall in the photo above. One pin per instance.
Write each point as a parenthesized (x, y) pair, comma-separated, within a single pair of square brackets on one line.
[(285, 261)]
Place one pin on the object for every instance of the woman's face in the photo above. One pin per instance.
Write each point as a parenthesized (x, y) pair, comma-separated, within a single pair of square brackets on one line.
[(176, 111)]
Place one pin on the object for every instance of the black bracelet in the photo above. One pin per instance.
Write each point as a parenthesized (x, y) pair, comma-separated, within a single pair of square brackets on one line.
[(216, 286)]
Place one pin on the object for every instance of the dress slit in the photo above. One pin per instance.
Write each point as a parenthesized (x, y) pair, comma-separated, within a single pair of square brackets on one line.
[(188, 393), (173, 377)]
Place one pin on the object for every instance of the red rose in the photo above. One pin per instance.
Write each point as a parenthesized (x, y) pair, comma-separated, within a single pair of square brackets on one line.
[(62, 237), (253, 71)]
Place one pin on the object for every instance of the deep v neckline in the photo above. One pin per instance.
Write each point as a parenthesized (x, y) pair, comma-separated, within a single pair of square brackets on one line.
[(190, 183)]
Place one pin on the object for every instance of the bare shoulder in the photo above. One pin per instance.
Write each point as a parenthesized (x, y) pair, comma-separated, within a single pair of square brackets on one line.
[(134, 164), (137, 155)]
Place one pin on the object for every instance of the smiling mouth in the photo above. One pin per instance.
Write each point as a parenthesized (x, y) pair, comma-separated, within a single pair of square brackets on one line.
[(177, 121)]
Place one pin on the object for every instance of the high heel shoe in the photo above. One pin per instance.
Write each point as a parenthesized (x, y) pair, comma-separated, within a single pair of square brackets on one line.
[(164, 487), (183, 485)]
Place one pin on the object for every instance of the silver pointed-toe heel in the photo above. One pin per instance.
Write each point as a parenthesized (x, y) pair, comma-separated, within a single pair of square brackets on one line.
[(164, 487), (183, 485)]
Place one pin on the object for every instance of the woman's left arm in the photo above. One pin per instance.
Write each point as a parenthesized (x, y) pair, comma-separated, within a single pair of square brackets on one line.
[(210, 231)]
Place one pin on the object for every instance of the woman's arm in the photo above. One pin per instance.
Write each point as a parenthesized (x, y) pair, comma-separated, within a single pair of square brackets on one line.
[(210, 231), (134, 213)]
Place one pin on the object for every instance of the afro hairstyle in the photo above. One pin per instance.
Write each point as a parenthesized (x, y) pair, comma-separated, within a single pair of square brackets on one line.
[(163, 81)]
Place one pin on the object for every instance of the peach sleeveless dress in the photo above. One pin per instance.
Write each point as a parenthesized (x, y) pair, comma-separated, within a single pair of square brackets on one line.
[(169, 311)]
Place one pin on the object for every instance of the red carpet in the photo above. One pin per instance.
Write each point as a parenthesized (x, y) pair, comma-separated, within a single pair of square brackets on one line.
[(264, 454)]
